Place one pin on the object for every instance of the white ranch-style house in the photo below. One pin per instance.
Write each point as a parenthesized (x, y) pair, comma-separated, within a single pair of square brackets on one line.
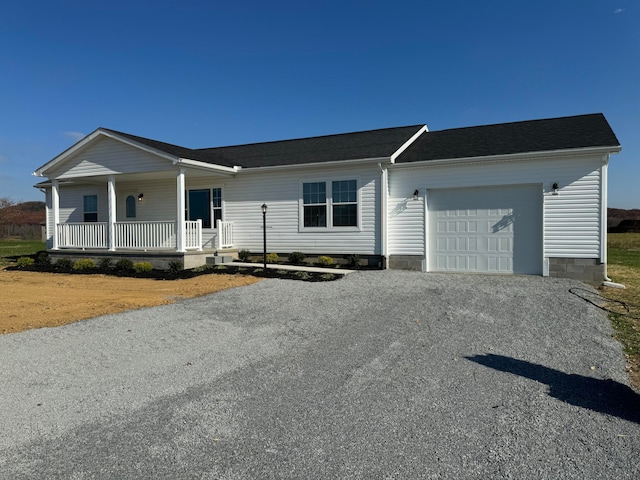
[(514, 198)]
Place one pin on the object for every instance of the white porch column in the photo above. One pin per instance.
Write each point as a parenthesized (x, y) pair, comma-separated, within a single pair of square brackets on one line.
[(181, 241), (55, 205), (111, 194)]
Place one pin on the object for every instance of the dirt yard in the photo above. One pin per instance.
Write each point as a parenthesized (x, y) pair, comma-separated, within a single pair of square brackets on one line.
[(33, 300)]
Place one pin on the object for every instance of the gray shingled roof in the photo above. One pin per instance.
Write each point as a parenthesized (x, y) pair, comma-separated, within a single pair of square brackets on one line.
[(346, 146), (563, 133)]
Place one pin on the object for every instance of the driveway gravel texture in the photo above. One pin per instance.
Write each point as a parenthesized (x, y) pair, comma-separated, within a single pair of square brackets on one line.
[(383, 374)]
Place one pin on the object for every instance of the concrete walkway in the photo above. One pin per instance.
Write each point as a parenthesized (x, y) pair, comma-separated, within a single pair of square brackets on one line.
[(303, 268)]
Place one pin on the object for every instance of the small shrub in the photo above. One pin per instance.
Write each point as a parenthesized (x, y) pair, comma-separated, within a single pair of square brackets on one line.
[(221, 267), (64, 263), (242, 269), (303, 275), (353, 261), (142, 267), (281, 272), (258, 270), (43, 259), (23, 262), (175, 266), (203, 268), (325, 261), (104, 263), (124, 265), (272, 258), (296, 257), (327, 276), (244, 255), (84, 264)]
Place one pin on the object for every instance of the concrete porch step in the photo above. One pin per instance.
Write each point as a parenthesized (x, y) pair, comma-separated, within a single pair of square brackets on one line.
[(219, 259)]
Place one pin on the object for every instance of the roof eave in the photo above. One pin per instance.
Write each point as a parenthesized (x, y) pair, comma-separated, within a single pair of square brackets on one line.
[(321, 164), (196, 164), (512, 156)]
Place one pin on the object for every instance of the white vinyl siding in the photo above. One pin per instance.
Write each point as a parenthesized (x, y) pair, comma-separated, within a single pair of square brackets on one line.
[(107, 156), (281, 191), (571, 219)]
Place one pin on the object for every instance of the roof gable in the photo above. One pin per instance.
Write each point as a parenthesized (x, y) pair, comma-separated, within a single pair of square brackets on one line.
[(78, 152), (565, 133)]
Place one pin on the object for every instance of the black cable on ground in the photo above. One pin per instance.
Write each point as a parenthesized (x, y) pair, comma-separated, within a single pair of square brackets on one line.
[(604, 303)]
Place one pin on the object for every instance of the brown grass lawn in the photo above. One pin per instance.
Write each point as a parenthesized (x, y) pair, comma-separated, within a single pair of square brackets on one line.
[(33, 300)]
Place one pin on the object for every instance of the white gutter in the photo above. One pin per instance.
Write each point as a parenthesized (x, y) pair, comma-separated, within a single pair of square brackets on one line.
[(186, 162), (509, 157), (319, 164)]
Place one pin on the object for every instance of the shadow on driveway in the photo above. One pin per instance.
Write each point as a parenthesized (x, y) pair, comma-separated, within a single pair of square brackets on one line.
[(604, 396)]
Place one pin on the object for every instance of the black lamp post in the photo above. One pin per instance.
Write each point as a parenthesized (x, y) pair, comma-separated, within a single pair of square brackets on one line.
[(264, 234)]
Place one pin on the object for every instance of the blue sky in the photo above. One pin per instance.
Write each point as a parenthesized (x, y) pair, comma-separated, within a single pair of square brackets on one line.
[(211, 73)]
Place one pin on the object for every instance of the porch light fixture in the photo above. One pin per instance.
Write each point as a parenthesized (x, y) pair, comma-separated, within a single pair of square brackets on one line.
[(554, 187), (140, 197), (264, 234), (415, 194)]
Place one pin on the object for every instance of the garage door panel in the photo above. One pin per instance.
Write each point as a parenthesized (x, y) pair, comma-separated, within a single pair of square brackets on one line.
[(502, 233)]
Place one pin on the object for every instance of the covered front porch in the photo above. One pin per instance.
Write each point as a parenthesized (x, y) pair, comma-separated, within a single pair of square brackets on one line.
[(122, 233)]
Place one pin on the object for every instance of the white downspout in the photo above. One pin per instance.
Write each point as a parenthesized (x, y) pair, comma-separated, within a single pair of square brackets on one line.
[(604, 189), (604, 192), (384, 190)]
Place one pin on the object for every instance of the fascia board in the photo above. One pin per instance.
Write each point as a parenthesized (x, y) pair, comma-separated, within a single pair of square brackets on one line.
[(511, 157), (40, 172), (319, 164), (406, 144), (206, 166), (49, 183)]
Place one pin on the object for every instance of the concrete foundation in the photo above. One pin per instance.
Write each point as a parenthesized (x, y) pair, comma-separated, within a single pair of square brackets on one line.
[(159, 260), (406, 262), (588, 270)]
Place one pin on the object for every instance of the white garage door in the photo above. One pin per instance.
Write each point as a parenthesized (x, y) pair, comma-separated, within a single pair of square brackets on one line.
[(489, 229)]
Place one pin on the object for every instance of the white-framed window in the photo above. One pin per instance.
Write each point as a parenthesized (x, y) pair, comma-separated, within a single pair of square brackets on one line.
[(216, 205), (314, 199), (330, 204), (90, 208), (344, 194), (205, 204)]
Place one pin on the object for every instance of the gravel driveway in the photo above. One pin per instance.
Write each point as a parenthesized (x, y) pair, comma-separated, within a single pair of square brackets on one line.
[(383, 374)]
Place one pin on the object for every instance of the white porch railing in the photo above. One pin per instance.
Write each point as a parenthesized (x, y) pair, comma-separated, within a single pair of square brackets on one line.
[(82, 235), (145, 235), (193, 234), (160, 235), (225, 234)]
